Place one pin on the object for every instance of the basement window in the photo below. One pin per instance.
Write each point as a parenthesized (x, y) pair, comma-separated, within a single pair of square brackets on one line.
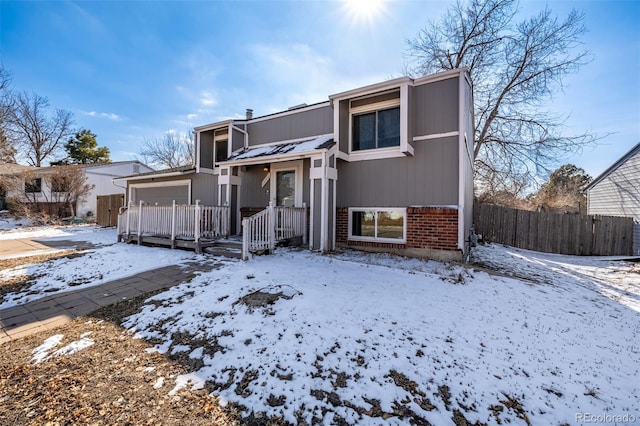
[(378, 224)]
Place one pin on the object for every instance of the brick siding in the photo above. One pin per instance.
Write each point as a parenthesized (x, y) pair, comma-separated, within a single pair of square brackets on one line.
[(434, 228)]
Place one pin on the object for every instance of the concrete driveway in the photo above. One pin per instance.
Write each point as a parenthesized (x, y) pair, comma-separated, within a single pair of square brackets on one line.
[(24, 247)]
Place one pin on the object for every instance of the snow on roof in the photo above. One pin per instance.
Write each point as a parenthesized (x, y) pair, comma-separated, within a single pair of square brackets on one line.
[(301, 147)]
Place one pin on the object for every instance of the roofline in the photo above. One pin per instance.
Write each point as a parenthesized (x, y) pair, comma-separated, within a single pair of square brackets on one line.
[(396, 82), (633, 151), (275, 158), (158, 174)]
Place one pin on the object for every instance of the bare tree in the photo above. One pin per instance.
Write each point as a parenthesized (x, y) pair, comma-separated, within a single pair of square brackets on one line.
[(7, 151), (171, 151), (515, 66), (37, 132)]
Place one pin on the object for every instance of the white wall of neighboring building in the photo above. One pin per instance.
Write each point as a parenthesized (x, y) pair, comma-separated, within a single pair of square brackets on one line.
[(102, 178)]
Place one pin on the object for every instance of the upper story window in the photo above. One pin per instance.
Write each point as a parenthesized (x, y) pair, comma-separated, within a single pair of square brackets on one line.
[(377, 129), (32, 186), (221, 148)]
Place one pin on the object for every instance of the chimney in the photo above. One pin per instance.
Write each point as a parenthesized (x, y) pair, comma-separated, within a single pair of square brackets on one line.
[(249, 113)]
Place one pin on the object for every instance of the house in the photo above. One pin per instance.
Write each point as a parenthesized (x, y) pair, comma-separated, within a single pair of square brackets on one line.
[(616, 192), (385, 167), (41, 185), (7, 172)]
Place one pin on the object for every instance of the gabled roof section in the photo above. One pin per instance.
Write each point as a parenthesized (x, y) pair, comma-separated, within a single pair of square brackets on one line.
[(287, 149), (635, 150), (175, 171)]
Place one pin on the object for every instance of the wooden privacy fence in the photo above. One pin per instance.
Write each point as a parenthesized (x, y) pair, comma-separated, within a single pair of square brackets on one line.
[(108, 207), (574, 234)]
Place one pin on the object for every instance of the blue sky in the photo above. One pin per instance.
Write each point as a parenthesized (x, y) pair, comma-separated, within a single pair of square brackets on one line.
[(130, 70)]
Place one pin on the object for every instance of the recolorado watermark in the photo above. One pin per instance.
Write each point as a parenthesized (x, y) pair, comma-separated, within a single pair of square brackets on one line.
[(605, 418)]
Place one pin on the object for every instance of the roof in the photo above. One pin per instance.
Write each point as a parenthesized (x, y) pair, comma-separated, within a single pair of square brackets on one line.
[(182, 170), (614, 166), (291, 148), (10, 168)]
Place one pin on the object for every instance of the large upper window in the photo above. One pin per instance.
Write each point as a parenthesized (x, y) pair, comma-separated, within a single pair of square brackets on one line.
[(377, 224), (377, 129)]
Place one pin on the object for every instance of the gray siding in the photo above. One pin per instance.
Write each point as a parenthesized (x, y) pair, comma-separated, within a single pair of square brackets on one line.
[(317, 213), (162, 196), (435, 107), (252, 194), (204, 187), (318, 121), (429, 177), (206, 149), (343, 137), (237, 140)]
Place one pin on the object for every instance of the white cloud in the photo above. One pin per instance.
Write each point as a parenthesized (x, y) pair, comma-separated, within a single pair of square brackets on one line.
[(207, 99), (107, 115)]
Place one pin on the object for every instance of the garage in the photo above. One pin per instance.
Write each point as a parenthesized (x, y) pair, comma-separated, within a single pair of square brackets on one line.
[(162, 193)]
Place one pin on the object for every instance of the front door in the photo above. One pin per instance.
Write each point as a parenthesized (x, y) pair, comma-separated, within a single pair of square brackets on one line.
[(286, 184)]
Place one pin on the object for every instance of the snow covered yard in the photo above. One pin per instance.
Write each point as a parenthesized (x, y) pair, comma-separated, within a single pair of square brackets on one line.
[(353, 336), (104, 261), (356, 338)]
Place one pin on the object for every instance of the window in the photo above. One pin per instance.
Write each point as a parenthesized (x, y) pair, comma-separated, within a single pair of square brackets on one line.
[(33, 186), (377, 224), (59, 184), (221, 150), (377, 129)]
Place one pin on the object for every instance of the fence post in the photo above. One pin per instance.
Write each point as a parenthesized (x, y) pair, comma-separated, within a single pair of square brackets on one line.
[(272, 227), (245, 239), (196, 231), (173, 224), (140, 224), (304, 223)]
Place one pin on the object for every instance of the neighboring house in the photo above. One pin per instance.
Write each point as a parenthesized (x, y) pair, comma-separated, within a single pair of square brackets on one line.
[(616, 192), (41, 188), (7, 171), (386, 167)]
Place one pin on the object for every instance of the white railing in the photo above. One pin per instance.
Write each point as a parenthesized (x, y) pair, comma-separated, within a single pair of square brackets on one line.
[(175, 221), (263, 230)]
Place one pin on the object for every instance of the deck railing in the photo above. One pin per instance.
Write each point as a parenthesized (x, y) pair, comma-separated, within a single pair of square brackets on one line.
[(265, 229), (192, 221)]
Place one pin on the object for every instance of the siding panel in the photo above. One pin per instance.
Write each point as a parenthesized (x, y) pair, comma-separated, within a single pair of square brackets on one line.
[(430, 177), (317, 121), (435, 107)]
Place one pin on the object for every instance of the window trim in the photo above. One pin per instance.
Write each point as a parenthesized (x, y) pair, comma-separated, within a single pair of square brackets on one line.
[(377, 239), (367, 109)]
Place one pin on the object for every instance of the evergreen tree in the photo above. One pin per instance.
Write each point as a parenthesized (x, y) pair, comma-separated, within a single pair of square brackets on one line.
[(83, 148)]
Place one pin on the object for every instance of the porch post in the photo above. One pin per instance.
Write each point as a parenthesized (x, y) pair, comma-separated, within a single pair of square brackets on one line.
[(196, 231), (173, 224), (272, 227), (128, 219), (140, 224), (304, 223), (245, 239)]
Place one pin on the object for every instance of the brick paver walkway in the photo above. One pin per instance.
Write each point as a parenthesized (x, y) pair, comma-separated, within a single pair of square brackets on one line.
[(52, 311)]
